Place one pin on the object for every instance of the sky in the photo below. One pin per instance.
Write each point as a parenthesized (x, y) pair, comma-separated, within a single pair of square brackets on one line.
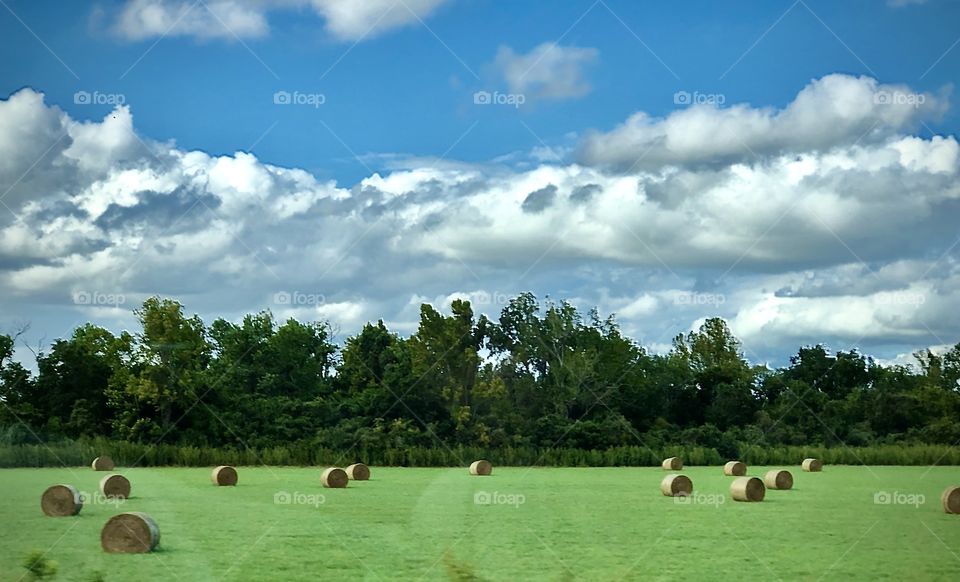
[(791, 166)]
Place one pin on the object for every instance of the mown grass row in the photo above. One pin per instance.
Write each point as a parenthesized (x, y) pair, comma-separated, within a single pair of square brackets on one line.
[(137, 454)]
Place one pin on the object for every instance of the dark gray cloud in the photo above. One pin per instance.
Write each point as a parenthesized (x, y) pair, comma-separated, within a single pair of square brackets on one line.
[(583, 194), (540, 200)]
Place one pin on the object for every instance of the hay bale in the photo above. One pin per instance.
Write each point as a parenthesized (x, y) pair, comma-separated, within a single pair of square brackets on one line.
[(672, 464), (61, 501), (735, 469), (481, 467), (676, 485), (103, 463), (778, 479), (358, 472), (951, 500), (115, 486), (747, 489), (224, 475), (130, 533), (812, 465), (334, 478)]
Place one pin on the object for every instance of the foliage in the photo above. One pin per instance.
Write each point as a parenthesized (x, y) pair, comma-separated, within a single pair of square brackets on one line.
[(39, 567), (542, 383)]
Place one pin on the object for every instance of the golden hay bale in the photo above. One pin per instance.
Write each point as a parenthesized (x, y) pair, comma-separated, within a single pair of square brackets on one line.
[(747, 489), (358, 472), (735, 469), (334, 477), (676, 485), (224, 475), (115, 486), (812, 465), (951, 499), (61, 501), (672, 464), (103, 463), (778, 479), (481, 467), (130, 533)]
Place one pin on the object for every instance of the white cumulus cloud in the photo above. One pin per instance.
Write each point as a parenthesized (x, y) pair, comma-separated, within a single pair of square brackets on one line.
[(819, 235), (348, 20)]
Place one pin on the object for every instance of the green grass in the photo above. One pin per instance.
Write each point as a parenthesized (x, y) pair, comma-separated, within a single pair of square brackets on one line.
[(594, 524)]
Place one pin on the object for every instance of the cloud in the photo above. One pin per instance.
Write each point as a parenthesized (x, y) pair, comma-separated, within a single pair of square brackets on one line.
[(540, 200), (549, 71), (232, 19), (831, 111), (810, 238), (368, 18), (144, 19)]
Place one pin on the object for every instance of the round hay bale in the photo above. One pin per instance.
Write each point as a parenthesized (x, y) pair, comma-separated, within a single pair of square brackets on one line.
[(224, 475), (812, 465), (951, 500), (481, 467), (778, 479), (735, 469), (358, 472), (130, 533), (103, 463), (747, 489), (334, 478), (672, 464), (61, 501), (676, 485), (115, 486)]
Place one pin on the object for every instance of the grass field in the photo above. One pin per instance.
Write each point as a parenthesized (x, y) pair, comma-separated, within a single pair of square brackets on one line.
[(549, 524)]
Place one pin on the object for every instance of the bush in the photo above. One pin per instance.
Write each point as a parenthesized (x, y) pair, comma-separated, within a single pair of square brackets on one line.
[(81, 452), (38, 567)]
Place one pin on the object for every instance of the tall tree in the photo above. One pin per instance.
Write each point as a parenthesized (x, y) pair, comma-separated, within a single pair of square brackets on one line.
[(446, 356), (165, 379), (74, 377), (18, 398)]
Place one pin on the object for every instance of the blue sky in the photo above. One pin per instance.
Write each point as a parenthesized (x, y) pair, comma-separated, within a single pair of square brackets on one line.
[(399, 134), (406, 92)]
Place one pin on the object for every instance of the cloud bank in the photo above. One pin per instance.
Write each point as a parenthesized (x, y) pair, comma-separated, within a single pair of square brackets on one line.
[(836, 223)]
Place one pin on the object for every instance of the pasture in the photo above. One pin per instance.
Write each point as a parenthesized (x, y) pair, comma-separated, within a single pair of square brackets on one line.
[(279, 523)]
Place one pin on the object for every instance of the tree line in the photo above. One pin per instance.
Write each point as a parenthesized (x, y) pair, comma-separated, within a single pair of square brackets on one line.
[(542, 376)]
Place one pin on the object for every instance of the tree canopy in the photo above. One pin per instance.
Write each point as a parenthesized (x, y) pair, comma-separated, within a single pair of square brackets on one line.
[(541, 375)]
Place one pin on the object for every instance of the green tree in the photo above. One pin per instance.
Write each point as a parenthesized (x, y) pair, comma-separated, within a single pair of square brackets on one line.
[(21, 403), (164, 380), (74, 377), (723, 378), (445, 353)]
